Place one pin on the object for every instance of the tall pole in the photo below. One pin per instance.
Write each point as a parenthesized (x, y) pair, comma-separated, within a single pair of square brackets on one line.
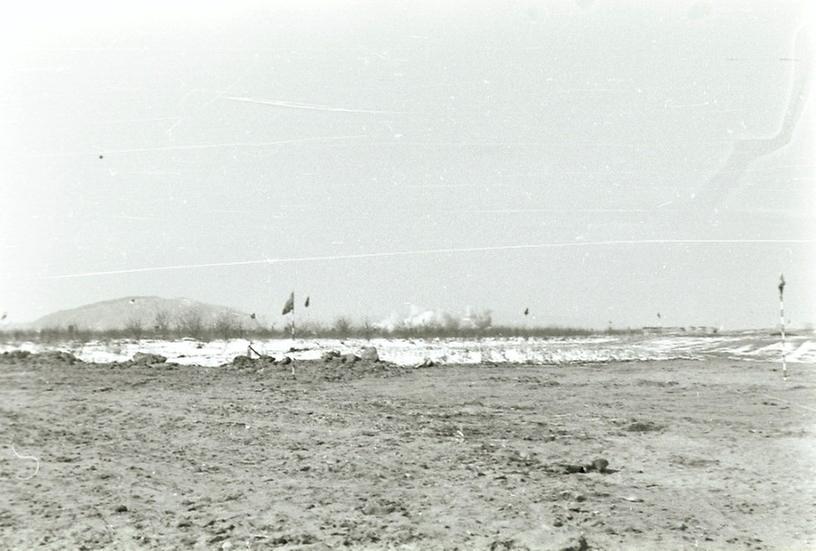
[(782, 323), (293, 317)]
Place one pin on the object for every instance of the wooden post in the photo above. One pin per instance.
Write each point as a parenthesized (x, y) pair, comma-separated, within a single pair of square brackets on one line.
[(782, 323)]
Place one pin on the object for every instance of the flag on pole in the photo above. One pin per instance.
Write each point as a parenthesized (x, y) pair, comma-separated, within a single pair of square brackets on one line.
[(290, 304), (306, 304), (781, 285)]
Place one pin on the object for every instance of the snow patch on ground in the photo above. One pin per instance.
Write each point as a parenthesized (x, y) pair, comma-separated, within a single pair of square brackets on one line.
[(454, 351)]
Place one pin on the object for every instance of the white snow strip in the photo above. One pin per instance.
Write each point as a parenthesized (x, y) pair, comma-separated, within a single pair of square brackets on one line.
[(452, 351)]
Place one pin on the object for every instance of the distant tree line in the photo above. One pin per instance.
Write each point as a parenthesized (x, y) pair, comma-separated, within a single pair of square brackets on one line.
[(191, 324)]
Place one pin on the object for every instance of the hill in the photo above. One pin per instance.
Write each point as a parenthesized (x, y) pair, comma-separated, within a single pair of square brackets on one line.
[(146, 312)]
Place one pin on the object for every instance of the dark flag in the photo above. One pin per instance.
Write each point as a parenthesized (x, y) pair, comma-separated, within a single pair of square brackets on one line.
[(526, 311), (306, 304), (290, 304), (252, 315), (781, 285)]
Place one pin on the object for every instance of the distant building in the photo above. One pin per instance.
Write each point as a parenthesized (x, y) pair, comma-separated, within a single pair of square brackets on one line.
[(690, 330)]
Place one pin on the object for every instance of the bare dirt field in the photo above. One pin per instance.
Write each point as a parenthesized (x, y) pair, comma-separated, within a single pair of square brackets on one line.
[(644, 455)]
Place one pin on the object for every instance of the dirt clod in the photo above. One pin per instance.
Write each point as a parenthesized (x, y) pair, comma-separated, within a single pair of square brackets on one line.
[(597, 465), (643, 426), (369, 354), (578, 545), (329, 355), (145, 358)]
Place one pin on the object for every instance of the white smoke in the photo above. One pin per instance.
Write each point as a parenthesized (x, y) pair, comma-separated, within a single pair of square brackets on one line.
[(419, 318)]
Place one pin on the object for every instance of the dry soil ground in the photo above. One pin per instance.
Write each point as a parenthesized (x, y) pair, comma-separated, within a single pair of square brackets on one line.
[(701, 455)]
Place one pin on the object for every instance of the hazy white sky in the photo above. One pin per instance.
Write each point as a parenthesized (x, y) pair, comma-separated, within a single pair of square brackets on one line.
[(620, 136)]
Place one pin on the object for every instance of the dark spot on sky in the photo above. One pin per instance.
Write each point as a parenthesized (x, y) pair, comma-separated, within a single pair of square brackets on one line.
[(101, 156)]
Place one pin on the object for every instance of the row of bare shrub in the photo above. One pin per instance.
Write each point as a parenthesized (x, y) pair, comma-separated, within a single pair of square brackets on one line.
[(342, 328)]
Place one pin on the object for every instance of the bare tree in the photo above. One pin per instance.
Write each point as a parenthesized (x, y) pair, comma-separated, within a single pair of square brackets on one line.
[(368, 329), (161, 323), (190, 324), (342, 326), (133, 328), (450, 323), (225, 326)]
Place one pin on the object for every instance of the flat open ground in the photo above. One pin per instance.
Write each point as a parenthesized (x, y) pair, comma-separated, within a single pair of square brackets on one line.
[(701, 455)]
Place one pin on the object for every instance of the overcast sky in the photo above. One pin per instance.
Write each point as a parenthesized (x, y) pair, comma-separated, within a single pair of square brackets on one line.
[(593, 161)]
